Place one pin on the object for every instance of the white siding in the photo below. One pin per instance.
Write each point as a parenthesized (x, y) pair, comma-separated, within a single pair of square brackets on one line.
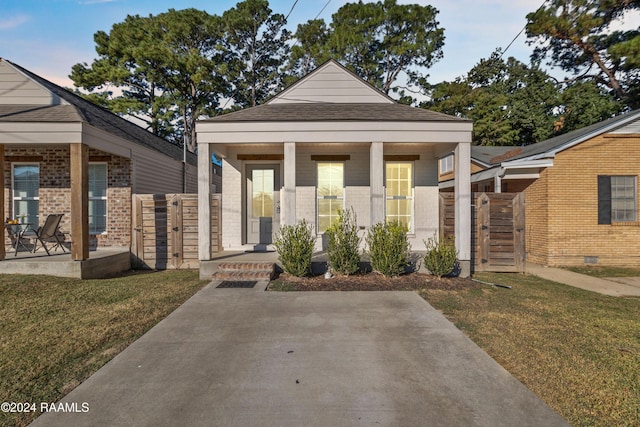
[(331, 83), (232, 205), (16, 88), (633, 127)]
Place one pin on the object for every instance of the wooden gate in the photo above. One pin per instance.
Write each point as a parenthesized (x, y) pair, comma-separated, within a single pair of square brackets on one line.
[(497, 234), (165, 230)]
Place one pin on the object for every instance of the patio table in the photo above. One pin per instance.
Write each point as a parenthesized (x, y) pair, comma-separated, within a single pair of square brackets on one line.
[(17, 233)]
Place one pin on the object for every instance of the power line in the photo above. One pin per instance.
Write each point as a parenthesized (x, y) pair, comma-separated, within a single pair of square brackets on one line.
[(518, 35), (323, 8), (292, 7)]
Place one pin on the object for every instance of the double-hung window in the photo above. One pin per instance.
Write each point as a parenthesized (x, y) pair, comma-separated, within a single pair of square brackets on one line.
[(399, 184), (617, 199), (26, 192), (446, 164), (97, 198), (330, 193)]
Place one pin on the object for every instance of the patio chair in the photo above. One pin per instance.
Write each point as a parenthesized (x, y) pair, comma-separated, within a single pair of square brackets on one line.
[(49, 233)]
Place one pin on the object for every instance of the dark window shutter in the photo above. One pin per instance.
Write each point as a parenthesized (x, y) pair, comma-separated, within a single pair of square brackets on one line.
[(604, 199)]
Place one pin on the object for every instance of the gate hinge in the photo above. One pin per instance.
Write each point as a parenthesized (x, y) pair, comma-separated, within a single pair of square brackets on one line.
[(176, 228), (484, 261), (484, 227), (175, 203), (176, 255)]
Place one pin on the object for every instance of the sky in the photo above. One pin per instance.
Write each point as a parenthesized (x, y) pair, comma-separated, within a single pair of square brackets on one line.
[(48, 37)]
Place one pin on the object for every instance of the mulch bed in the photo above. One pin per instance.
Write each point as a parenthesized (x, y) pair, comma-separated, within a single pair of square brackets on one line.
[(374, 282)]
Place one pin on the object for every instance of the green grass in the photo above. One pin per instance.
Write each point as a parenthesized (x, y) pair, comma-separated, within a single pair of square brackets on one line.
[(603, 271), (56, 332), (579, 351)]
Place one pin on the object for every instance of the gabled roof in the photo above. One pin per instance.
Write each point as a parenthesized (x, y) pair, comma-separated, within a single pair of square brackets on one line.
[(492, 156), (73, 108), (332, 93)]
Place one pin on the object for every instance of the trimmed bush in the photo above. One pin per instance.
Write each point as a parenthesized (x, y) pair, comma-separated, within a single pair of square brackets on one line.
[(441, 257), (343, 244), (389, 250), (295, 245)]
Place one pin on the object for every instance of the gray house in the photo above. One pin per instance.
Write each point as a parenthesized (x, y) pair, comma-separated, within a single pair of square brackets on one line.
[(331, 141)]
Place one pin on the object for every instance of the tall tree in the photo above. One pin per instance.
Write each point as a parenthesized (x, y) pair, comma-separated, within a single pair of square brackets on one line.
[(579, 37), (258, 39), (309, 50), (165, 70), (382, 42), (511, 103)]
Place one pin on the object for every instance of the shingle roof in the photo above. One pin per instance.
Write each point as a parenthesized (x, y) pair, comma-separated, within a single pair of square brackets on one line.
[(85, 111), (497, 155), (318, 112)]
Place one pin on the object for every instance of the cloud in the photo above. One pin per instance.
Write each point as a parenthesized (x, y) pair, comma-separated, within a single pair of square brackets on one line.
[(13, 22)]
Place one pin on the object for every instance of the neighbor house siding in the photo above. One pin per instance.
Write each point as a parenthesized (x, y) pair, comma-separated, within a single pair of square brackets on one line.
[(573, 231), (16, 88)]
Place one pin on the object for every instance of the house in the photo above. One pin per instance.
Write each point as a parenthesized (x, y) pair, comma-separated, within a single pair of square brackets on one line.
[(330, 141), (62, 154), (581, 192)]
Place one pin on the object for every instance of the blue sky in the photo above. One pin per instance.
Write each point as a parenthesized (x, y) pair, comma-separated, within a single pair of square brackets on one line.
[(49, 36)]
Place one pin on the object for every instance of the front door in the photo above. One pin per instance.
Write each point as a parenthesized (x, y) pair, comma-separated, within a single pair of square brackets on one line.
[(263, 203)]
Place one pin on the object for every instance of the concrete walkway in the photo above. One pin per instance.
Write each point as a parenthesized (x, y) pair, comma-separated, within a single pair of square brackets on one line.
[(237, 357), (617, 287)]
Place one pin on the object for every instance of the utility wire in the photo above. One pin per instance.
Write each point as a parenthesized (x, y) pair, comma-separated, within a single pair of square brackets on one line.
[(292, 7), (323, 8), (521, 31)]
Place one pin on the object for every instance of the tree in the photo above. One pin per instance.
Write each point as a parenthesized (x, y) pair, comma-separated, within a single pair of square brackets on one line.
[(258, 40), (168, 70), (511, 103), (309, 50), (578, 36), (378, 41)]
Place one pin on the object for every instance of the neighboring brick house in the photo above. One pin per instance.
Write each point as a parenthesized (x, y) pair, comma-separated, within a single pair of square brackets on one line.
[(581, 192), (331, 141), (55, 146)]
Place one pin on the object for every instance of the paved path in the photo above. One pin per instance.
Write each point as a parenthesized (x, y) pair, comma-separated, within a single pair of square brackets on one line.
[(237, 357), (617, 287)]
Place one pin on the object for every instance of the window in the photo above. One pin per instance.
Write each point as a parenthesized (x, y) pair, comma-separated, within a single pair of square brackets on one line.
[(617, 199), (446, 164), (26, 190), (399, 184), (97, 198), (330, 193)]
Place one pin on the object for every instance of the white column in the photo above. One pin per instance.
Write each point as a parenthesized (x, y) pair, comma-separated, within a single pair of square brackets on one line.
[(204, 201), (289, 196), (497, 184), (463, 206), (376, 182)]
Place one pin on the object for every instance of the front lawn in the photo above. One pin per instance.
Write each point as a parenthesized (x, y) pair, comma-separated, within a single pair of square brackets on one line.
[(56, 332), (578, 350), (604, 271)]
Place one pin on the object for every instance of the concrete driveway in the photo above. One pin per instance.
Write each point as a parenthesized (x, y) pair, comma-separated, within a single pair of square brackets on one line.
[(237, 357)]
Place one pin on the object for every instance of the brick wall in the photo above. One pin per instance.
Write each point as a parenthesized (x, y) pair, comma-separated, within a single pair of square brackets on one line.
[(562, 206), (55, 190)]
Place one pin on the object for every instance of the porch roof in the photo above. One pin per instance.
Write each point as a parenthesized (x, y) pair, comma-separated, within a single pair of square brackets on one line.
[(334, 112)]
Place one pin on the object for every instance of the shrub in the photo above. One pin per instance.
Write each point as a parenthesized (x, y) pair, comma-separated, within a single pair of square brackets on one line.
[(389, 249), (295, 245), (343, 244), (441, 257)]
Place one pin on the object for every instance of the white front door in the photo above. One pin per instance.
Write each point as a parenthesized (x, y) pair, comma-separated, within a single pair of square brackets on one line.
[(263, 203)]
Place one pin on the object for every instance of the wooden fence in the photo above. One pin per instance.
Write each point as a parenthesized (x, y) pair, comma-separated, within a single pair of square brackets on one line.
[(165, 230), (497, 233)]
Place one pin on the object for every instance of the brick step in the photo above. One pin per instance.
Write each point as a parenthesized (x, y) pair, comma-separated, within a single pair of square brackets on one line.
[(240, 271), (245, 266)]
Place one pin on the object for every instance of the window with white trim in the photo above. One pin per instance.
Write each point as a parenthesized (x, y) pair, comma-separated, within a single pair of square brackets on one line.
[(446, 164), (617, 199), (97, 198), (330, 193), (399, 193), (25, 183)]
